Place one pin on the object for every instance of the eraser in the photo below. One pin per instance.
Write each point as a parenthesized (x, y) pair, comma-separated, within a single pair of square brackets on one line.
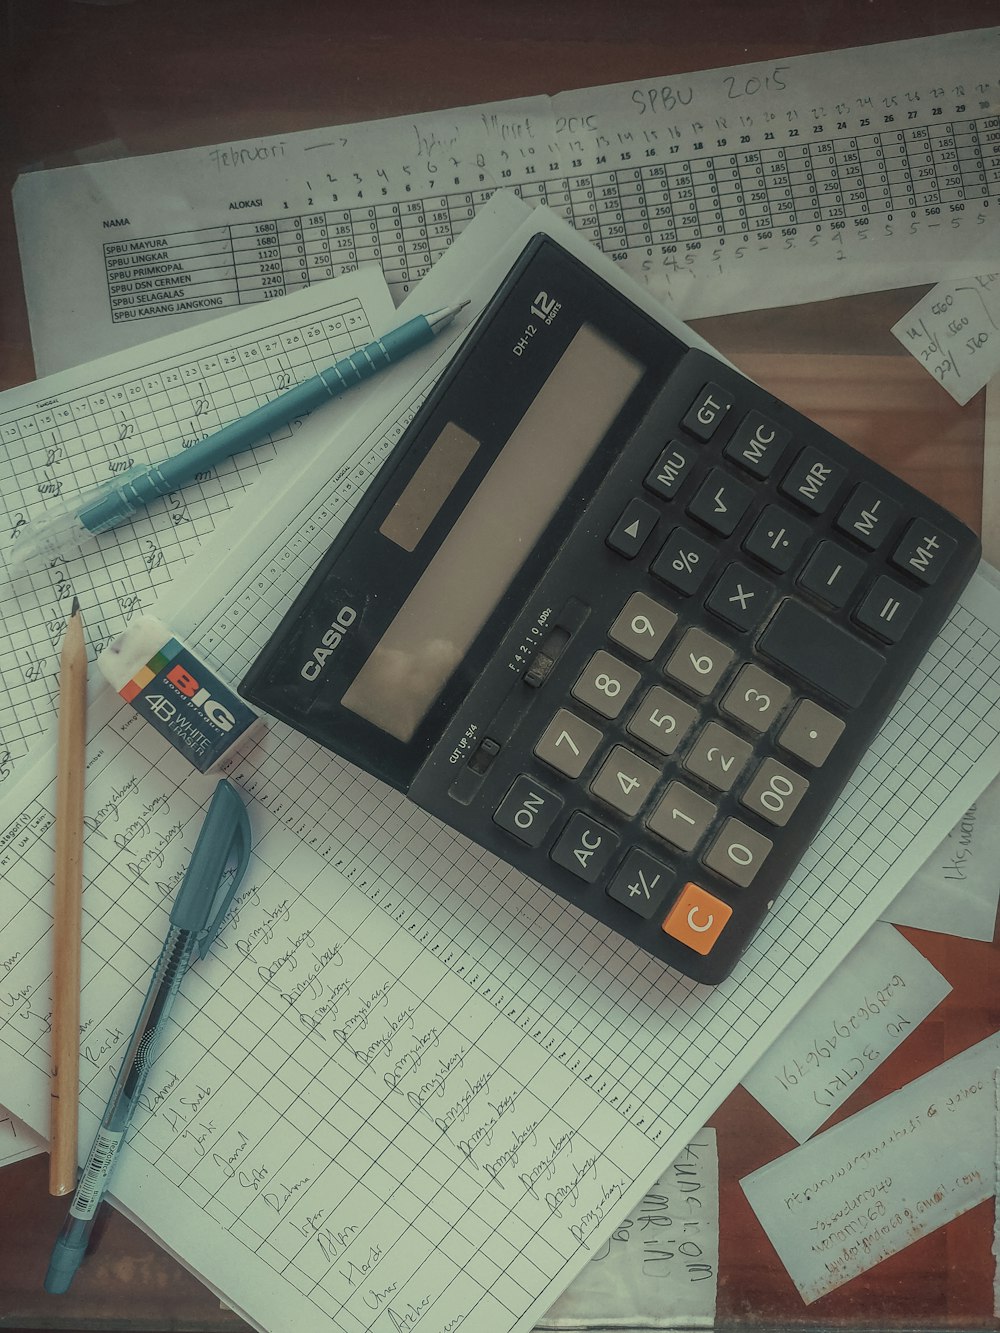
[(168, 685)]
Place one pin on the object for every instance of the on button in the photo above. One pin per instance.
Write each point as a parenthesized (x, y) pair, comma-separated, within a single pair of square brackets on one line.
[(528, 811)]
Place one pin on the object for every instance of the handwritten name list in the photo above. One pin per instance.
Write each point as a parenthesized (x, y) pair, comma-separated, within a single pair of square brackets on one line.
[(328, 1094)]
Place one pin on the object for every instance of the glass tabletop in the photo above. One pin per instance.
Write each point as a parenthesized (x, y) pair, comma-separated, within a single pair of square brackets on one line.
[(90, 80)]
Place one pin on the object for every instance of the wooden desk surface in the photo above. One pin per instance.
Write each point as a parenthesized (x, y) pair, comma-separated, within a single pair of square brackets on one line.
[(144, 77)]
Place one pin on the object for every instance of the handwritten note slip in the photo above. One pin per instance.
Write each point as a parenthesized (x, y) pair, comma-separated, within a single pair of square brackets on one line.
[(79, 429), (890, 1174), (956, 890), (17, 1141), (659, 1267), (727, 189), (954, 331), (996, 1211), (408, 1085), (991, 474), (881, 991)]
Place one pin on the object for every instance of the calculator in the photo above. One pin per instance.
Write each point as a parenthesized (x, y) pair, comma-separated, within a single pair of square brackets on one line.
[(618, 615)]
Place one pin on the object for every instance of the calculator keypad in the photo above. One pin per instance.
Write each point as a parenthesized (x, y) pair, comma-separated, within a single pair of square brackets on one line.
[(757, 444), (774, 792), (740, 597), (832, 574), (641, 884), (670, 469), (738, 852), (585, 848), (776, 539), (708, 411), (684, 561), (528, 811), (720, 502), (813, 481), (693, 737), (637, 521)]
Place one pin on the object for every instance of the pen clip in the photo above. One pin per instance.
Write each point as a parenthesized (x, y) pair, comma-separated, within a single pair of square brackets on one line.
[(206, 892)]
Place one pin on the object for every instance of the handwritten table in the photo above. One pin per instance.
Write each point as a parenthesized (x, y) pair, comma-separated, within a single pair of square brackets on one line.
[(139, 78), (934, 164)]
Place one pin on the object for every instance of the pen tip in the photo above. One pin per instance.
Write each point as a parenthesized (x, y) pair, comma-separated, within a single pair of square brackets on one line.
[(75, 607)]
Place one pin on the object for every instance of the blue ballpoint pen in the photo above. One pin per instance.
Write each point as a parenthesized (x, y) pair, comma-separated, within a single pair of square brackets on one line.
[(197, 914), (70, 522)]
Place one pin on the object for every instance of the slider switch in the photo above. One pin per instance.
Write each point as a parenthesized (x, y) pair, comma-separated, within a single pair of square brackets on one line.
[(484, 754), (470, 777), (549, 652)]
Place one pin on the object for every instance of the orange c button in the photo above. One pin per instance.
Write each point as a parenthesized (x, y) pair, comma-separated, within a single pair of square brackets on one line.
[(697, 919)]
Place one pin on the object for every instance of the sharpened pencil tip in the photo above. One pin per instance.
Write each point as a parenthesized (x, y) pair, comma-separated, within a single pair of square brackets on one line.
[(75, 607)]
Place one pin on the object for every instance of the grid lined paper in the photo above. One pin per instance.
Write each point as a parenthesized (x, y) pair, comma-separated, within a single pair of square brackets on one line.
[(408, 1086), (69, 433), (405, 1069)]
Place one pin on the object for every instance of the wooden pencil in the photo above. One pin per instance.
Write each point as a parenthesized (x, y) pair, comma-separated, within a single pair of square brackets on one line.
[(68, 907)]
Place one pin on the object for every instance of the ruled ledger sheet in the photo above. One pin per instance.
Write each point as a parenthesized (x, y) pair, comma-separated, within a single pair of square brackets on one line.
[(408, 1088), (725, 189), (68, 433)]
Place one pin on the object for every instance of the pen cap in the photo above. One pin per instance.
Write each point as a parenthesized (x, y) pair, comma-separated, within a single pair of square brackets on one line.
[(206, 892)]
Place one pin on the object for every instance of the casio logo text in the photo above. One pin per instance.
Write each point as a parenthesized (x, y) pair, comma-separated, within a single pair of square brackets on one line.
[(330, 641)]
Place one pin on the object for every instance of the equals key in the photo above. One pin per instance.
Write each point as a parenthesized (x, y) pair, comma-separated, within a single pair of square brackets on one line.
[(820, 652)]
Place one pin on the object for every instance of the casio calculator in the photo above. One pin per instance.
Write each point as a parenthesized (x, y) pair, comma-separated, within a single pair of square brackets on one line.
[(618, 615)]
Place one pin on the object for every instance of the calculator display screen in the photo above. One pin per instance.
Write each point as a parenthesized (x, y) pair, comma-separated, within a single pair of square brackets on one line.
[(494, 534), (429, 487)]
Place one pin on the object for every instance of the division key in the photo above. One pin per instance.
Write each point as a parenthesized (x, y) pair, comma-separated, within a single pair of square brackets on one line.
[(820, 652)]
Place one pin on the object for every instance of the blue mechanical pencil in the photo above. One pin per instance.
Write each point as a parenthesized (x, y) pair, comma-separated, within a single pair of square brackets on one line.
[(197, 914), (90, 512)]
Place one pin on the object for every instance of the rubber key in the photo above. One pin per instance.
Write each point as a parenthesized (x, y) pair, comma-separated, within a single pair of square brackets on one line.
[(820, 652)]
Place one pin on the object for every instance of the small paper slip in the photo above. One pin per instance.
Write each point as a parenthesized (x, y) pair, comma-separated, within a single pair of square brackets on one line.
[(996, 1185), (17, 1141), (956, 890), (871, 1003), (659, 1267), (991, 475), (887, 1176), (955, 332)]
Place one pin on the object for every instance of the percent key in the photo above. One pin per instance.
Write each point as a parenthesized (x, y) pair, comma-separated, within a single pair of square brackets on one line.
[(684, 561)]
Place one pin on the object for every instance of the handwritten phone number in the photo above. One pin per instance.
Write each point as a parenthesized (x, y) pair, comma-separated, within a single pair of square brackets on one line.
[(823, 1047)]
